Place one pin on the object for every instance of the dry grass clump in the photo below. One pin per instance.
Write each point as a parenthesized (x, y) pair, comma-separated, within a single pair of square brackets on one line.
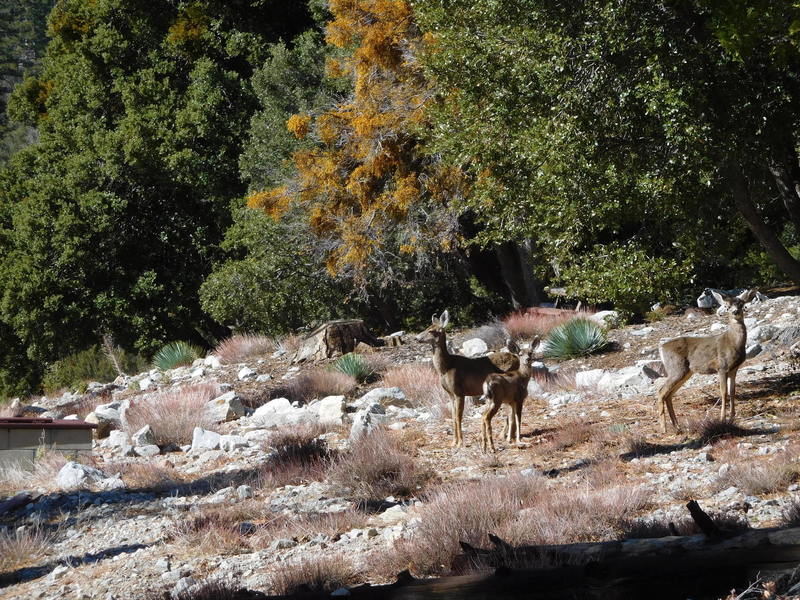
[(22, 547), (422, 386), (173, 414), (316, 384), (219, 529), (652, 528), (298, 455), (319, 574), (520, 510), (151, 475), (376, 466), (756, 478), (289, 343), (711, 429), (571, 432), (11, 409), (525, 325), (14, 478), (242, 346)]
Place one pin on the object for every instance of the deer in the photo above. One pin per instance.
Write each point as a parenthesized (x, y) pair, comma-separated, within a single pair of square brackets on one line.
[(461, 376), (509, 388), (721, 353)]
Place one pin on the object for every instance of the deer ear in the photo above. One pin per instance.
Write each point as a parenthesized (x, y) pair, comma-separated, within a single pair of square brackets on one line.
[(444, 319), (721, 299), (747, 295), (434, 320)]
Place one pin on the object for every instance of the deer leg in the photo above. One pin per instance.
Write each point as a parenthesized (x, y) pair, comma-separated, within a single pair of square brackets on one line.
[(458, 411), (486, 430), (518, 417), (665, 398), (723, 393), (732, 392), (512, 424)]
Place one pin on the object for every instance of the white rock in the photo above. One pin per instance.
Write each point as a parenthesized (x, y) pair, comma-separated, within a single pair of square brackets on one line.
[(280, 412), (147, 450), (263, 378), (384, 396), (753, 351), (144, 437), (183, 585), (116, 439), (366, 419), (474, 347), (228, 443), (331, 410), (393, 515), (146, 383), (588, 379), (226, 407), (606, 318), (74, 475), (203, 439), (198, 372), (717, 327), (212, 361), (642, 332), (762, 333), (245, 373), (244, 492)]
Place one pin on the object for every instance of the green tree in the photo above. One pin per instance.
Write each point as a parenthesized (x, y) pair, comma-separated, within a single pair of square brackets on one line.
[(112, 220), (597, 126)]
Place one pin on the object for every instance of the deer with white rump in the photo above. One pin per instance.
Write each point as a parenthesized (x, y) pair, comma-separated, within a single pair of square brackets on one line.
[(509, 388), (722, 354), (461, 376)]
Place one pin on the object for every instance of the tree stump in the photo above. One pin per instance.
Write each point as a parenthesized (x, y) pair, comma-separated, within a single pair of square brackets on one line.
[(335, 338)]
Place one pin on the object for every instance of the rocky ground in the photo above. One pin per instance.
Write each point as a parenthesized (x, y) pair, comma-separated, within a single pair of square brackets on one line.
[(117, 527)]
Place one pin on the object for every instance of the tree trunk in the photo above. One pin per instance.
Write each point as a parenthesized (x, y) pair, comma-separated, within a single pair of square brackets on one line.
[(517, 272), (786, 171), (774, 247), (335, 338)]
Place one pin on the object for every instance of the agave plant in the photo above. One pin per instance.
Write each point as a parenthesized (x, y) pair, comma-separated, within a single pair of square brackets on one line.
[(175, 354), (355, 366), (577, 337)]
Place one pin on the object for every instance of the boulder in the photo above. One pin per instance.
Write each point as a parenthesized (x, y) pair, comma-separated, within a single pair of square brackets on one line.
[(116, 439), (788, 335), (102, 430), (146, 383), (202, 439), (144, 437), (383, 395), (75, 475), (280, 412), (229, 443), (109, 413), (331, 410), (606, 318), (761, 333), (366, 419), (212, 361), (590, 378), (246, 373), (753, 351), (474, 347), (226, 407), (637, 377), (147, 450)]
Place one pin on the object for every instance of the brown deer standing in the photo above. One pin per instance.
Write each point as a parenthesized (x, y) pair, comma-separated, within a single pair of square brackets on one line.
[(722, 353), (507, 388), (461, 376)]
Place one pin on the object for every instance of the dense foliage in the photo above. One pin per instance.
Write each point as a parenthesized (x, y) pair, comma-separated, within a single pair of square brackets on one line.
[(405, 157)]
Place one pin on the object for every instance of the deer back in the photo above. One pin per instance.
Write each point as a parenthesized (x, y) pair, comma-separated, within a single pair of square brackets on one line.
[(465, 376)]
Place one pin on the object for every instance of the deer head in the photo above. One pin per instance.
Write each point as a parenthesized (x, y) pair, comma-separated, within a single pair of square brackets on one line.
[(733, 305), (436, 331)]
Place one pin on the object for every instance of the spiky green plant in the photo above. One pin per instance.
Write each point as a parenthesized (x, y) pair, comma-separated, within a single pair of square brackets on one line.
[(175, 354), (577, 337), (355, 366)]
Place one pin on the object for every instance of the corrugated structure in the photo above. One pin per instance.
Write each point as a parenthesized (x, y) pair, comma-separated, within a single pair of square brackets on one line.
[(22, 437)]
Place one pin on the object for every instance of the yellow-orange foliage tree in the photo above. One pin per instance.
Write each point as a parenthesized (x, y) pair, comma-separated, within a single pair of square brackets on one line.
[(365, 184)]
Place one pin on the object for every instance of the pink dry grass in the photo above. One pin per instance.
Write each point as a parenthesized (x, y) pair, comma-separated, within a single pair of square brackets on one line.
[(318, 384), (520, 510), (422, 386), (22, 547), (172, 414), (242, 346), (526, 325), (320, 574)]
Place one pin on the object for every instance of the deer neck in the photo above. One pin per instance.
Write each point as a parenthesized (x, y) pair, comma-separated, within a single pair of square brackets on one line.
[(737, 330), (441, 357)]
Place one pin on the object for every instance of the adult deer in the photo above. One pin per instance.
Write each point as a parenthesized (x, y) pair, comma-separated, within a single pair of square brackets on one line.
[(509, 388), (461, 376), (722, 354)]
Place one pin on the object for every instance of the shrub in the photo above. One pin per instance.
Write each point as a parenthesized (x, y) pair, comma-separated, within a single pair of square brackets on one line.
[(21, 547), (355, 366), (759, 478), (14, 478), (316, 384), (93, 364), (570, 433), (175, 354), (150, 475), (422, 386), (525, 325), (242, 346), (375, 467), (520, 510), (173, 414), (320, 574), (576, 337), (298, 456)]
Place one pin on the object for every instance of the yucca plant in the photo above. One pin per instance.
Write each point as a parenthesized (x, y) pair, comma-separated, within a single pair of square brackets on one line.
[(355, 366), (175, 354), (577, 337)]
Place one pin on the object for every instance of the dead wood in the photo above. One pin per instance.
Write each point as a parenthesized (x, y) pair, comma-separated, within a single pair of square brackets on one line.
[(335, 338)]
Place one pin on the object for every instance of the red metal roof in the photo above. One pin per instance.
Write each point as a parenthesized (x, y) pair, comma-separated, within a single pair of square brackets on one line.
[(43, 423)]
